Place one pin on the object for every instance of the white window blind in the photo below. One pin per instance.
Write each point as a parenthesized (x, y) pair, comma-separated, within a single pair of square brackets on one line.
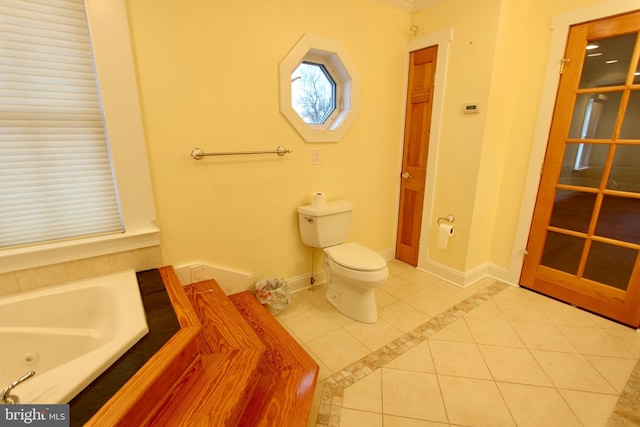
[(56, 180)]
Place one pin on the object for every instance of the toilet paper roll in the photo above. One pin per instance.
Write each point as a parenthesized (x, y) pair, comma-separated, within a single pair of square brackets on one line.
[(319, 200), (445, 231)]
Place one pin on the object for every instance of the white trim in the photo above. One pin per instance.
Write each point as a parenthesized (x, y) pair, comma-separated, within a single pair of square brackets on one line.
[(560, 26), (58, 252), (465, 279), (334, 57), (111, 42), (455, 277), (443, 40)]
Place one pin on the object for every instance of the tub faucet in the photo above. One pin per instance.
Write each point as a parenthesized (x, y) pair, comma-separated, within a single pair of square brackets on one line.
[(9, 399)]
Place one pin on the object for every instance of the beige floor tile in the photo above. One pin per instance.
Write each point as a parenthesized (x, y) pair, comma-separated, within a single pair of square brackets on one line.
[(596, 341), (428, 303), (534, 406), (487, 310), (548, 383), (514, 365), (366, 394), (572, 371), (520, 310), (592, 409), (449, 292), (472, 402), (412, 395), (493, 332), (316, 297), (338, 349), (603, 322), (374, 335), (332, 313), (353, 418), (563, 314), (400, 288), (418, 277), (384, 299), (482, 283), (324, 372), (629, 338), (397, 267), (458, 359), (310, 325), (393, 421), (518, 293), (298, 305), (543, 336), (403, 316), (456, 331), (615, 371), (417, 359)]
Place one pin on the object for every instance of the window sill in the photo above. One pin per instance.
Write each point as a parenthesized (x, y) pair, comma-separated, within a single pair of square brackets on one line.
[(36, 256)]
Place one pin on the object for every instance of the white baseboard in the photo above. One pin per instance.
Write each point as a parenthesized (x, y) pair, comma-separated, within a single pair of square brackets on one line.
[(300, 283), (464, 279), (233, 282), (230, 282)]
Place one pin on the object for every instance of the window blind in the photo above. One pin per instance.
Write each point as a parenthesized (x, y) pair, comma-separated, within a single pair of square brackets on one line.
[(56, 179)]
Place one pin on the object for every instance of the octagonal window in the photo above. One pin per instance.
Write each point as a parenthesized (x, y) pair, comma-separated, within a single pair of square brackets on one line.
[(319, 89), (313, 93)]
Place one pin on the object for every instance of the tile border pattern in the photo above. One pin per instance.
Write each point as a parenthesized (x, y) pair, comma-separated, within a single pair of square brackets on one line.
[(627, 410), (626, 413)]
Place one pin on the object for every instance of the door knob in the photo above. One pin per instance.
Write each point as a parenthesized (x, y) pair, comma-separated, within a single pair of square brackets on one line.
[(406, 175)]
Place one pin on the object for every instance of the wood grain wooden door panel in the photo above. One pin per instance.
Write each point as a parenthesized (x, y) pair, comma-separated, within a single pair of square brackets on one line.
[(584, 242), (422, 67)]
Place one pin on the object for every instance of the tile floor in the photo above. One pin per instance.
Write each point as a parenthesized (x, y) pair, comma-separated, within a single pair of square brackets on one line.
[(487, 355)]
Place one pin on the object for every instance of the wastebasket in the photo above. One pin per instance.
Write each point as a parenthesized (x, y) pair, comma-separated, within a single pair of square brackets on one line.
[(274, 292)]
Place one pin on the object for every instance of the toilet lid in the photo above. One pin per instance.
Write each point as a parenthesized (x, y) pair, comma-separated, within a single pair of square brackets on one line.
[(356, 257)]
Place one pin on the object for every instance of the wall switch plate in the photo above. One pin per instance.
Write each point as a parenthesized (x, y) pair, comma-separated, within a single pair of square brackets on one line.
[(315, 156)]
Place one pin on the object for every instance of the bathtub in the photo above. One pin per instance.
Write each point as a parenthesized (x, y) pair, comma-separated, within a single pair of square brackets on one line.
[(68, 335)]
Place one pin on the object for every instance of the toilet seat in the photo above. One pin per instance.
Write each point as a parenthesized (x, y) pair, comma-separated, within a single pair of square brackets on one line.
[(354, 256)]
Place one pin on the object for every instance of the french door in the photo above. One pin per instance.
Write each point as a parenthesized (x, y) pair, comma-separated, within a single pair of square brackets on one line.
[(584, 242)]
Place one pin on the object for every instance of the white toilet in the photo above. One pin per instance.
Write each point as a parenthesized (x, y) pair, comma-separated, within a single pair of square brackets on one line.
[(353, 271)]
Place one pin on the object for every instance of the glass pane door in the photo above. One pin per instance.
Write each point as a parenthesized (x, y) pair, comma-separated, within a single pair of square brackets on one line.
[(585, 237)]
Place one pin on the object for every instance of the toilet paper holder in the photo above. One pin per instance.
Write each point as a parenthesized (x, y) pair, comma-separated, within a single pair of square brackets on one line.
[(448, 218)]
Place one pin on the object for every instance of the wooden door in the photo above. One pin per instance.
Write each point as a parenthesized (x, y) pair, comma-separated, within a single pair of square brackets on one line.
[(422, 67), (584, 243)]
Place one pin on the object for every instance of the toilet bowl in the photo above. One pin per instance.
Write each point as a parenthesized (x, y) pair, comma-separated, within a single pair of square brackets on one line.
[(353, 273)]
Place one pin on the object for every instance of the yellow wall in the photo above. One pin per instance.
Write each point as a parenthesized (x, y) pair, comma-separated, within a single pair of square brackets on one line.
[(498, 58), (208, 77)]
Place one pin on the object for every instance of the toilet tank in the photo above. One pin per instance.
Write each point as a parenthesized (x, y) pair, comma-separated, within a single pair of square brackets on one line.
[(325, 226)]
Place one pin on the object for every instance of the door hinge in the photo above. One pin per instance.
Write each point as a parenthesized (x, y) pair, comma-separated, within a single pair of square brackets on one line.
[(524, 253), (562, 62), (541, 168)]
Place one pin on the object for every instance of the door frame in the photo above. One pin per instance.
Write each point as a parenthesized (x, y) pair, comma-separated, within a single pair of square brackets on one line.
[(443, 40), (560, 26)]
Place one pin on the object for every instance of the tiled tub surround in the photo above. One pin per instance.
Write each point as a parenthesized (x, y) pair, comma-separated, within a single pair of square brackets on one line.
[(56, 274), (491, 354)]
